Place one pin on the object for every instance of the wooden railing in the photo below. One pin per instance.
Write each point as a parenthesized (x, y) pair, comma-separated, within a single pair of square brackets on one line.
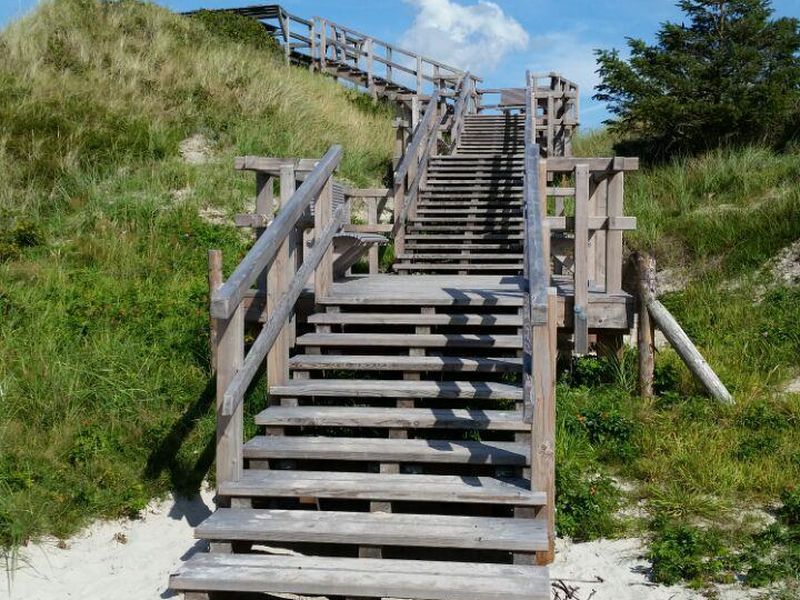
[(466, 104), (587, 222), (328, 45), (539, 328), (556, 103), (413, 167), (270, 265)]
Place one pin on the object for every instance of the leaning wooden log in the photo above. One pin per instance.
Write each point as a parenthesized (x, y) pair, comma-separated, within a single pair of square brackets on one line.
[(677, 337), (645, 288), (687, 351)]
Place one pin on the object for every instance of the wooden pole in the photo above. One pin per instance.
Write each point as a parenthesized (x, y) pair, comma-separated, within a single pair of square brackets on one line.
[(323, 213), (214, 282), (676, 336), (646, 283)]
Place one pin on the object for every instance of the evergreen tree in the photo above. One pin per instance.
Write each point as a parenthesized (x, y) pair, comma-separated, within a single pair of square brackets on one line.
[(729, 74)]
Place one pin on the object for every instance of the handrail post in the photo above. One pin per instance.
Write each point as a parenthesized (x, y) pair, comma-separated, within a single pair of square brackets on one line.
[(230, 355), (214, 282), (323, 43), (277, 283), (389, 70), (581, 302), (323, 213), (312, 35), (615, 208), (372, 219), (420, 76), (370, 68)]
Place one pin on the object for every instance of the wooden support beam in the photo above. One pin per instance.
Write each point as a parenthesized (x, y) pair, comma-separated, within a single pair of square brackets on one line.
[(581, 307), (323, 214)]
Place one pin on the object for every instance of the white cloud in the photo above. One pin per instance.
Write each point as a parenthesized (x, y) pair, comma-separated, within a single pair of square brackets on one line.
[(566, 53), (474, 37)]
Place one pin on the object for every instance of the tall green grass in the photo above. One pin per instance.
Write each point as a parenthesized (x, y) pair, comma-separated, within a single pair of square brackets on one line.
[(104, 377)]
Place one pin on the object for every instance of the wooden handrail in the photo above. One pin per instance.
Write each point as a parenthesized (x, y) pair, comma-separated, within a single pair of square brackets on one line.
[(234, 394), (228, 297), (420, 133), (461, 108)]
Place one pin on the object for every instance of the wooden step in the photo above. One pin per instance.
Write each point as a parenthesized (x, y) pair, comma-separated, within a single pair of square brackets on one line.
[(391, 418), (459, 256), (312, 362), (464, 246), (361, 577), (470, 237), (468, 267), (387, 450), (375, 529), (410, 340), (382, 487), (465, 226), (354, 318), (397, 388)]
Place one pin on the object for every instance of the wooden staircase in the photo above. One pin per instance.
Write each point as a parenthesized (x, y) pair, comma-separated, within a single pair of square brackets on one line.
[(407, 449), (395, 454), (469, 215)]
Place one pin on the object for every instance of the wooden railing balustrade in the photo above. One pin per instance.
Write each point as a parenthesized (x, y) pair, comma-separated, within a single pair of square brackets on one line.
[(539, 330), (412, 168), (273, 264)]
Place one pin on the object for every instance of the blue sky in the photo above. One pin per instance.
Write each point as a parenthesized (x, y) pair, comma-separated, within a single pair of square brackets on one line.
[(541, 35)]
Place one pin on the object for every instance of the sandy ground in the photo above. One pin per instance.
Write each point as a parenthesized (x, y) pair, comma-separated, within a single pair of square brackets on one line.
[(131, 560)]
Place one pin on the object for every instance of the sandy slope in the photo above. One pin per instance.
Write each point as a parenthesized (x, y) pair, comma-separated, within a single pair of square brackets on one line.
[(131, 560)]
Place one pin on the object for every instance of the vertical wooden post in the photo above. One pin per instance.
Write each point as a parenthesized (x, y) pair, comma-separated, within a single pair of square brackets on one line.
[(265, 208), (323, 43), (550, 124), (581, 296), (312, 35), (545, 223), (214, 283), (389, 69), (277, 282), (616, 194), (230, 355), (543, 443), (372, 219), (323, 213), (646, 284), (287, 39), (370, 67), (597, 256), (420, 76)]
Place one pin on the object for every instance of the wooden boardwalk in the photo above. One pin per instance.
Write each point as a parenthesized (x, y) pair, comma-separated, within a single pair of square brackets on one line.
[(407, 446)]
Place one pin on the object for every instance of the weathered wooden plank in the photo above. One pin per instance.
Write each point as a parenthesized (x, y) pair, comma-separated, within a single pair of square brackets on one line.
[(382, 486), (380, 529), (413, 340), (376, 388), (370, 318), (404, 363), (391, 418), (387, 450), (362, 577)]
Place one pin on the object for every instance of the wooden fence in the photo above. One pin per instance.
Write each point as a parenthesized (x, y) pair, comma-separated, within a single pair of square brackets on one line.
[(340, 50), (277, 267)]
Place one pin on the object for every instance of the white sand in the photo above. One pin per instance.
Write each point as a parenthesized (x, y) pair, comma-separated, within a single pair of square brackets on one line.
[(131, 560)]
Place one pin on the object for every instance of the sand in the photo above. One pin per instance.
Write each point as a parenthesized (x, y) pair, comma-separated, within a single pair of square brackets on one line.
[(131, 560)]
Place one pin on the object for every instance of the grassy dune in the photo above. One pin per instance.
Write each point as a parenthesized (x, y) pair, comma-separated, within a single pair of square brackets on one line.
[(104, 379), (694, 467)]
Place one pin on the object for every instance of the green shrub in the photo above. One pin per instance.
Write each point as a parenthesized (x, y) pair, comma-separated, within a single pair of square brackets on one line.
[(237, 28), (681, 552), (586, 504)]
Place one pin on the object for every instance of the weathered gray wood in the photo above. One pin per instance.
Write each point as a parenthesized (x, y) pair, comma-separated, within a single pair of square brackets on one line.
[(384, 529), (646, 285), (581, 306), (214, 282), (368, 388), (307, 362), (391, 418), (387, 450), (616, 193), (263, 251), (323, 218), (361, 577), (383, 486), (277, 320), (414, 340), (230, 428), (467, 319)]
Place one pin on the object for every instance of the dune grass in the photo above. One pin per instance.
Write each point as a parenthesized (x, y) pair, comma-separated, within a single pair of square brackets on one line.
[(695, 468), (104, 375)]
